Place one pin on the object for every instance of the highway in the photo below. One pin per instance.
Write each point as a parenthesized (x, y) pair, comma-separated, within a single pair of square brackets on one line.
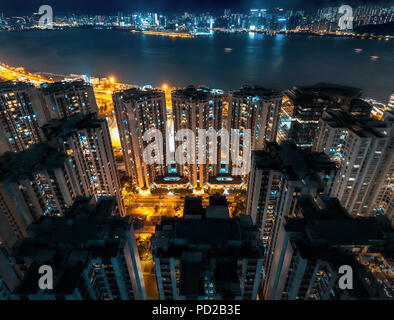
[(9, 73)]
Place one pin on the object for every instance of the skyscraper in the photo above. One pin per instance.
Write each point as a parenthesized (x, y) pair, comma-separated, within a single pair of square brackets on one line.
[(24, 109), (67, 98), (304, 106), (314, 245), (138, 111), (363, 151), (86, 141), (33, 183), (384, 178), (21, 115), (257, 109), (278, 176), (92, 253), (206, 254), (197, 109)]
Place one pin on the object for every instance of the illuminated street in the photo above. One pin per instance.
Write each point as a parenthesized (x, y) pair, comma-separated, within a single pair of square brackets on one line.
[(103, 90), (10, 73), (153, 206)]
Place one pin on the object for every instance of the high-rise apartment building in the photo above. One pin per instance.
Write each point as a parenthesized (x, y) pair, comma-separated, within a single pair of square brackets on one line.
[(358, 108), (257, 109), (391, 102), (67, 98), (363, 151), (278, 176), (138, 111), (92, 252), (86, 141), (312, 247), (21, 115), (207, 254), (35, 182), (24, 109), (384, 178), (304, 106), (204, 120), (197, 109)]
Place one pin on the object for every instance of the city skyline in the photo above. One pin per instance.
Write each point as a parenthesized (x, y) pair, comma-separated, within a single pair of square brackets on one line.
[(176, 6)]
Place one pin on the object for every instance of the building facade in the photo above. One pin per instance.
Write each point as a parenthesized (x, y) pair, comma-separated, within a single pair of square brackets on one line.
[(207, 255), (21, 115), (304, 106), (278, 176), (92, 252), (67, 98), (197, 110), (363, 151), (137, 111), (24, 109), (257, 109), (86, 141), (313, 246), (35, 182)]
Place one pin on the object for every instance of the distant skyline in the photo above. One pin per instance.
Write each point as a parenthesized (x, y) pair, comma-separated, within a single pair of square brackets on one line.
[(27, 7)]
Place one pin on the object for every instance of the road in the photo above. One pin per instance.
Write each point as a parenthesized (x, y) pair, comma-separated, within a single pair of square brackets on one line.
[(9, 73)]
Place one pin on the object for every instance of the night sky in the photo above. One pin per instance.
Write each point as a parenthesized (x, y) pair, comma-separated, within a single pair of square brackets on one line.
[(26, 7)]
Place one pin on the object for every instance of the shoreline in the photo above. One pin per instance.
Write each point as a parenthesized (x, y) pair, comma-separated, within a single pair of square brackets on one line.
[(206, 33)]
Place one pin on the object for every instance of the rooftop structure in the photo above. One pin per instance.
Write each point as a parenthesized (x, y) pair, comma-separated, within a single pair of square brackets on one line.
[(205, 254), (92, 252), (314, 244)]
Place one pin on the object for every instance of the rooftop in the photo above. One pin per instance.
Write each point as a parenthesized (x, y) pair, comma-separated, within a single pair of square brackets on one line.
[(205, 228), (84, 222), (331, 89), (10, 86), (303, 165), (295, 163), (57, 128), (267, 159), (326, 222), (192, 93), (256, 91), (39, 157), (138, 94), (60, 86), (362, 126), (343, 232)]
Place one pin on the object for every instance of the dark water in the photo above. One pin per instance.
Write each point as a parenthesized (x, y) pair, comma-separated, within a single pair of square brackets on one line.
[(273, 61)]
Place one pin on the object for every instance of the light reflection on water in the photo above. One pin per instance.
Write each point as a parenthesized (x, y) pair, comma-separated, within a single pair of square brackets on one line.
[(274, 61)]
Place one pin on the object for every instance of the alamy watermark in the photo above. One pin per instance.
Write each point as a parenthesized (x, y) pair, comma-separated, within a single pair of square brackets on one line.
[(46, 280), (46, 19), (346, 20), (202, 149), (346, 280)]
